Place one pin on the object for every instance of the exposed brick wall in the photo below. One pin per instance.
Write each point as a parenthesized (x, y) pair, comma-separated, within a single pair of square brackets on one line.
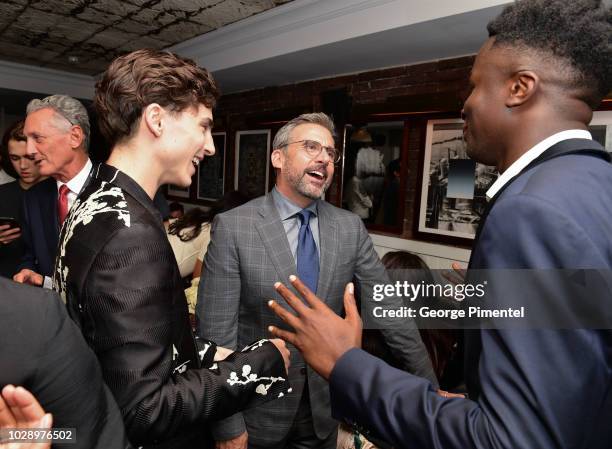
[(378, 86), (438, 85)]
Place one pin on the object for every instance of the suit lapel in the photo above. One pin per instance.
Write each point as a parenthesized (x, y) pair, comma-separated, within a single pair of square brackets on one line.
[(329, 241), (49, 205), (274, 238)]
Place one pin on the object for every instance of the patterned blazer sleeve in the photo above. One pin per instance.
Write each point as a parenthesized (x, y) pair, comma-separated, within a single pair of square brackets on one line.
[(140, 322), (218, 305), (405, 342)]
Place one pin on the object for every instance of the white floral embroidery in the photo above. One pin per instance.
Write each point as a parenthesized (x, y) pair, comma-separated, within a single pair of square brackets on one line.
[(249, 377), (254, 346), (103, 201), (181, 368)]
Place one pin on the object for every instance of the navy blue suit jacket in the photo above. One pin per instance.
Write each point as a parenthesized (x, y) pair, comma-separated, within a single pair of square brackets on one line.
[(528, 388), (40, 227)]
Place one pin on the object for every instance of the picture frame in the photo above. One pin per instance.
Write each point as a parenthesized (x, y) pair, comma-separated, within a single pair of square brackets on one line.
[(453, 186), (252, 162), (373, 181), (179, 192), (601, 128), (211, 171)]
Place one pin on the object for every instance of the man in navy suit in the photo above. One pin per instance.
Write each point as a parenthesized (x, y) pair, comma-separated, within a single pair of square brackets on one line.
[(57, 133), (535, 82)]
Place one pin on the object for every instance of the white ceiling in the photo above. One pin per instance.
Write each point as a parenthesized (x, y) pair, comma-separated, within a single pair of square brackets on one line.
[(309, 39)]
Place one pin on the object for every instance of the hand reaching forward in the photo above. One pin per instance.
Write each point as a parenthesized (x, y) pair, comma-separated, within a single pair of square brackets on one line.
[(320, 335)]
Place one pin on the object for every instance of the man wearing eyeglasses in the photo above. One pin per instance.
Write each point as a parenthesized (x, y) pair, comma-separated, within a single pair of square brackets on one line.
[(57, 133), (291, 231)]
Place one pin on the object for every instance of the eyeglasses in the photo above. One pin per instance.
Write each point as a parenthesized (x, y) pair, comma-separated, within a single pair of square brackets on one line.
[(314, 148)]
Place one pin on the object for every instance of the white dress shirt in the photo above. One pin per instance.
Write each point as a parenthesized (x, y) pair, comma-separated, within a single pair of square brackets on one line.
[(75, 185), (533, 153)]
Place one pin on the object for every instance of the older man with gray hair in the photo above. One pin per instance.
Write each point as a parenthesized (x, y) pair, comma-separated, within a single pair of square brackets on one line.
[(57, 133)]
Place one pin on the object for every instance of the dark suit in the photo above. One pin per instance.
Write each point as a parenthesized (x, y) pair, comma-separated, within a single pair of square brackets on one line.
[(43, 351), (528, 388), (10, 206), (248, 253), (119, 278), (40, 227)]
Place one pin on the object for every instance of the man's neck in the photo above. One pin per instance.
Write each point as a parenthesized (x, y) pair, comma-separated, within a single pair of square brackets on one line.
[(529, 138), (137, 165), (295, 198), (72, 169)]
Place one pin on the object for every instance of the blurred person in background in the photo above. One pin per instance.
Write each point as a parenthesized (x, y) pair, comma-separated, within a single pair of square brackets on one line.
[(176, 209), (24, 168), (57, 133), (189, 236)]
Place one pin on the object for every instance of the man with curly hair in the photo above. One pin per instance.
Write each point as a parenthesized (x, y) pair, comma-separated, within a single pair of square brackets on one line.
[(535, 83), (117, 272)]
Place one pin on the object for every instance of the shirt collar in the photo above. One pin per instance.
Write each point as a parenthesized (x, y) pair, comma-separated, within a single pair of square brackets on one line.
[(76, 184), (286, 208), (533, 153)]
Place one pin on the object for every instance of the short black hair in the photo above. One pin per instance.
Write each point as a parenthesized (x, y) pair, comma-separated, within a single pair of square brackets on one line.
[(577, 32)]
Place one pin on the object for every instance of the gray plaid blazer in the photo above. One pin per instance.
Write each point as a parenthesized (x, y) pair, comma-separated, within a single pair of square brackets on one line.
[(248, 253)]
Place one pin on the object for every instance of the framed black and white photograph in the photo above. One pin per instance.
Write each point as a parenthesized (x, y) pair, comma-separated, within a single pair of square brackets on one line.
[(453, 186), (601, 128), (180, 192), (372, 176), (211, 171), (252, 162)]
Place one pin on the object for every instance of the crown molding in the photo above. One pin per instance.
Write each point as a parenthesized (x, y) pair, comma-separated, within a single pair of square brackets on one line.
[(304, 24), (45, 81)]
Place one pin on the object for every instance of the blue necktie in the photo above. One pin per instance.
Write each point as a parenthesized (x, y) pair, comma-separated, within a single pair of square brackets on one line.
[(307, 256)]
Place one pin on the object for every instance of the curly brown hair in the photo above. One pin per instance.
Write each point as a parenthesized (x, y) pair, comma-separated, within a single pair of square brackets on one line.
[(143, 77), (13, 132)]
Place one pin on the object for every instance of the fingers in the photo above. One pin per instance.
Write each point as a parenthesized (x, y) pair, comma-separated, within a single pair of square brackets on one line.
[(26, 276), (282, 347), (8, 393), (30, 408), (350, 305), (289, 337), (305, 292), (8, 236), (9, 232), (283, 314), (460, 270), (6, 416), (291, 299), (446, 394)]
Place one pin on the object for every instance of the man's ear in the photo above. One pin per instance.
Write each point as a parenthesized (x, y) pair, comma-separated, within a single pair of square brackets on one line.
[(153, 118), (523, 85), (77, 136), (277, 158)]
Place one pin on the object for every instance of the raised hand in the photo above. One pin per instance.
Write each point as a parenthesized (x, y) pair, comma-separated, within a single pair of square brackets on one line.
[(319, 334)]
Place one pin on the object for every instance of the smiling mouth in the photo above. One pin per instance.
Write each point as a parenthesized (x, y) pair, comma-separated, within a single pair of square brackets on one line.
[(195, 161), (317, 175)]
